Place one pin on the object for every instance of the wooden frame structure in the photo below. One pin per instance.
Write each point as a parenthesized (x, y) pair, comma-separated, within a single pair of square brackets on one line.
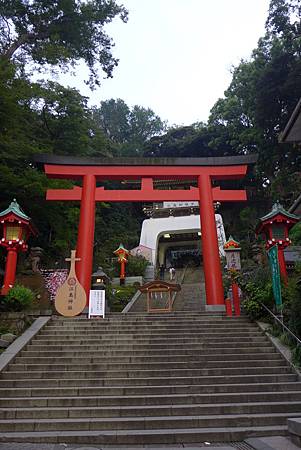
[(159, 287)]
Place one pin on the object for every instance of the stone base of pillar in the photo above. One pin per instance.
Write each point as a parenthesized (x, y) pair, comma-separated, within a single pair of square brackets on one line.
[(215, 308)]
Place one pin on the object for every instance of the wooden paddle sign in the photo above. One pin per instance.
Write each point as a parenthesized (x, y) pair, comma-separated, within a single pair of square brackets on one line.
[(70, 298)]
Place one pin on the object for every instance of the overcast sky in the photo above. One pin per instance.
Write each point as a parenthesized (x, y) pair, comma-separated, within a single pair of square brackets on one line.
[(176, 55)]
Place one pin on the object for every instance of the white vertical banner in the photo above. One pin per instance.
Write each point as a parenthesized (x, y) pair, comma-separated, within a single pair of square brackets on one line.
[(97, 302)]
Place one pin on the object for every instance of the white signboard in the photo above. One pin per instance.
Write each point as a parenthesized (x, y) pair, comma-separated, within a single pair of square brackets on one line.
[(179, 204), (97, 301), (233, 260)]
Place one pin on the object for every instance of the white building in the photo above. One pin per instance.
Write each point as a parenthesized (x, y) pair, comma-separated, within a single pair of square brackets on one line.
[(176, 233)]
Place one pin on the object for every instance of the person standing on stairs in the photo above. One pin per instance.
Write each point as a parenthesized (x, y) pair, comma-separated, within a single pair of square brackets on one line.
[(172, 273)]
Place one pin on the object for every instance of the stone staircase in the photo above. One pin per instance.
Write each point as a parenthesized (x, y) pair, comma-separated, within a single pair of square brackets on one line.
[(145, 379), (192, 296)]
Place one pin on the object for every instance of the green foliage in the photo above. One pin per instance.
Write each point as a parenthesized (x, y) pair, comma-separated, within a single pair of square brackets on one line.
[(296, 356), (295, 234), (119, 296), (135, 266), (293, 309), (59, 33), (257, 288), (253, 309), (127, 128), (262, 95), (18, 298)]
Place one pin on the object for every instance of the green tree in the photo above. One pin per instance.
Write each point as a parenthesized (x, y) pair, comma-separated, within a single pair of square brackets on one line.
[(127, 128), (59, 33), (261, 97)]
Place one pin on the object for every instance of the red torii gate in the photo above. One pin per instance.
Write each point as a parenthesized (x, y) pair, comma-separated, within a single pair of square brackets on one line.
[(203, 170)]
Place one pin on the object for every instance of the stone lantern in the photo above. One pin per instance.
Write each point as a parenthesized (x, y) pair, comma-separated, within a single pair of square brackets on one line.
[(275, 227), (100, 279), (16, 229)]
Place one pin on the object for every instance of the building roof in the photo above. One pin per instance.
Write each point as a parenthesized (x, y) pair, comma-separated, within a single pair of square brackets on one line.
[(278, 209), (292, 131), (15, 208)]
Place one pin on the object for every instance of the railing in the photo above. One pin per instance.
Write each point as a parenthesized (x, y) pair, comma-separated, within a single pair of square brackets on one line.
[(283, 326)]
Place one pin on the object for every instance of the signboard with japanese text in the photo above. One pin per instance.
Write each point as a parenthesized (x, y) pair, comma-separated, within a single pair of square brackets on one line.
[(274, 263), (70, 299), (180, 204), (233, 260), (97, 302)]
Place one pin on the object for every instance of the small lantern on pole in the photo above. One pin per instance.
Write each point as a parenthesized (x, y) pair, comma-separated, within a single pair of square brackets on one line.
[(232, 252), (275, 228), (16, 229), (122, 254)]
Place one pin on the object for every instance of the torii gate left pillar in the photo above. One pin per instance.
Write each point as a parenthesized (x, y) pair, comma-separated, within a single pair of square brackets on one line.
[(194, 169)]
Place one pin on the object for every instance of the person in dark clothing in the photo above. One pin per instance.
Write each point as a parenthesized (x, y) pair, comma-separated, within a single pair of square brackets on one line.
[(162, 272)]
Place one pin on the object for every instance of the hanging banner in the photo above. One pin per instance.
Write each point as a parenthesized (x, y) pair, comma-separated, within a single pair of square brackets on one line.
[(274, 263)]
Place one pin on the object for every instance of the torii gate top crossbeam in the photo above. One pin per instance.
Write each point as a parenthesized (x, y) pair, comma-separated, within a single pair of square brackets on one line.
[(136, 168), (146, 169)]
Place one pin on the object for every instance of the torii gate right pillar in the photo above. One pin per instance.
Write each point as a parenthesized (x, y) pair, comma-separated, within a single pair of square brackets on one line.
[(211, 259)]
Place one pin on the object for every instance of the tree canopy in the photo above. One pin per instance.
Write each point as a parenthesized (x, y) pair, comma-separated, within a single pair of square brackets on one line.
[(127, 128), (59, 33)]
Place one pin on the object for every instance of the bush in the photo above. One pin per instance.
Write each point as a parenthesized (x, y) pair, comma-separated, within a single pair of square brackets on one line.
[(135, 266), (119, 296), (296, 357), (254, 310), (18, 298)]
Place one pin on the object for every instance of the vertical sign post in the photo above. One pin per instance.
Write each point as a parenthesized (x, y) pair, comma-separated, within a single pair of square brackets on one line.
[(232, 251)]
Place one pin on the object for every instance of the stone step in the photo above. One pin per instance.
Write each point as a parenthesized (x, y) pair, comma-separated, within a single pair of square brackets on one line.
[(144, 325), (90, 340), (149, 411), (142, 423), (133, 344), (134, 331), (217, 315), (146, 317), (148, 381), (283, 397), (171, 389), (151, 320), (172, 372), (128, 350), (141, 437), (149, 365), (150, 332), (130, 357)]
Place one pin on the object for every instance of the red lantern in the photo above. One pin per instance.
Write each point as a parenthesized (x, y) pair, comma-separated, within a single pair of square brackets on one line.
[(275, 228), (16, 229), (122, 254)]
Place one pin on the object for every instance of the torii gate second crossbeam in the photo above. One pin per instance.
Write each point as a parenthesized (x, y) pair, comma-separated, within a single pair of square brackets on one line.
[(202, 170)]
